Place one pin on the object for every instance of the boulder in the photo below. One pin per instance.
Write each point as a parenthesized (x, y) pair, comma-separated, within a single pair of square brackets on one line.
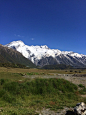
[(80, 109)]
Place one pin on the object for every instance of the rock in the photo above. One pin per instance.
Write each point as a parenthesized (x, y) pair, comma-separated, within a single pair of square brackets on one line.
[(1, 109), (80, 109), (69, 113)]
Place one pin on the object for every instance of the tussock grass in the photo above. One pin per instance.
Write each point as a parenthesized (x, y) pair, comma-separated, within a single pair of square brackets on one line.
[(23, 98), (40, 87)]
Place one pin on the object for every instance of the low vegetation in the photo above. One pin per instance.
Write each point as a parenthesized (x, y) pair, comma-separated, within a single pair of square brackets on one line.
[(35, 73), (22, 96), (13, 65)]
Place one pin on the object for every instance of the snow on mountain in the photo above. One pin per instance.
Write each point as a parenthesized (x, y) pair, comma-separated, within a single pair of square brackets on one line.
[(33, 51), (42, 55)]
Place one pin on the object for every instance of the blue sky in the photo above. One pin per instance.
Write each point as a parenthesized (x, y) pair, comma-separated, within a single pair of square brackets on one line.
[(59, 24)]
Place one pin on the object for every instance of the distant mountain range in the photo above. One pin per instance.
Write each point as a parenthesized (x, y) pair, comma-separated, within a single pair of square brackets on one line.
[(9, 55), (42, 55)]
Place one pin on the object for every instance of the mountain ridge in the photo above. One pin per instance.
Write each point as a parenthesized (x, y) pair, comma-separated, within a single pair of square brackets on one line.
[(9, 55), (43, 55)]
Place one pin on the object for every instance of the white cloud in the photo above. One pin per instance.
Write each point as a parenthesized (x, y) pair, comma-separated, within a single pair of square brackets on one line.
[(18, 36), (14, 34), (32, 38)]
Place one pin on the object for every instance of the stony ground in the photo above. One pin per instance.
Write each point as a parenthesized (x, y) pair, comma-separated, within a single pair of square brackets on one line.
[(65, 111), (72, 78)]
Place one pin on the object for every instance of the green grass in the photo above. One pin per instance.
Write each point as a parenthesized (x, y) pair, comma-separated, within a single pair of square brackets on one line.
[(21, 96), (40, 87), (34, 73)]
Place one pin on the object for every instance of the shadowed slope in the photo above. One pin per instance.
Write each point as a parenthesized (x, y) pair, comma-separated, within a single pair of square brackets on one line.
[(10, 55)]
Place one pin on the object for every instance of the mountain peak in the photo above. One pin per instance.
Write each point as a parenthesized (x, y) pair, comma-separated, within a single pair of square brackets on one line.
[(16, 43), (44, 46)]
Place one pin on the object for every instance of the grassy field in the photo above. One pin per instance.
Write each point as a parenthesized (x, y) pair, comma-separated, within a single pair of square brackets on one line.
[(43, 71), (24, 96)]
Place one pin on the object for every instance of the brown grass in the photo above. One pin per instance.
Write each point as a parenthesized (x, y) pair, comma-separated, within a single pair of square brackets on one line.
[(51, 72)]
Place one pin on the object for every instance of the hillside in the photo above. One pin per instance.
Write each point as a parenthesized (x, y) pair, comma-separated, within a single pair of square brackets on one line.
[(10, 55), (59, 66)]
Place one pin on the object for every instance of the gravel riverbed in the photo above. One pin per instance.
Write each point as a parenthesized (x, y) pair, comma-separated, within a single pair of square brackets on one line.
[(70, 77)]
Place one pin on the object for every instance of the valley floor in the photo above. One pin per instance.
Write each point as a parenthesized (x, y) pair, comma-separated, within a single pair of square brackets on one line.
[(23, 75), (70, 77)]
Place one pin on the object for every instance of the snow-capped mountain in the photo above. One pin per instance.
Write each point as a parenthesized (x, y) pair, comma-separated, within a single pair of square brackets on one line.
[(42, 55)]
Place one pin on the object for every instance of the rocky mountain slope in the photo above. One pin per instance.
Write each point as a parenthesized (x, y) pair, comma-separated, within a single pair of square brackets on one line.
[(42, 55), (10, 55)]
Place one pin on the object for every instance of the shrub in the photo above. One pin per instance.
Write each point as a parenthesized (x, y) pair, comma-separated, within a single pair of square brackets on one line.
[(12, 87), (80, 85), (71, 70), (8, 97), (2, 81), (2, 92)]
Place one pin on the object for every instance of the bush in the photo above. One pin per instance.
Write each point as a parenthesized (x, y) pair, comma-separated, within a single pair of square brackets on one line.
[(2, 81), (12, 87), (80, 85), (2, 92), (83, 91), (8, 97)]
